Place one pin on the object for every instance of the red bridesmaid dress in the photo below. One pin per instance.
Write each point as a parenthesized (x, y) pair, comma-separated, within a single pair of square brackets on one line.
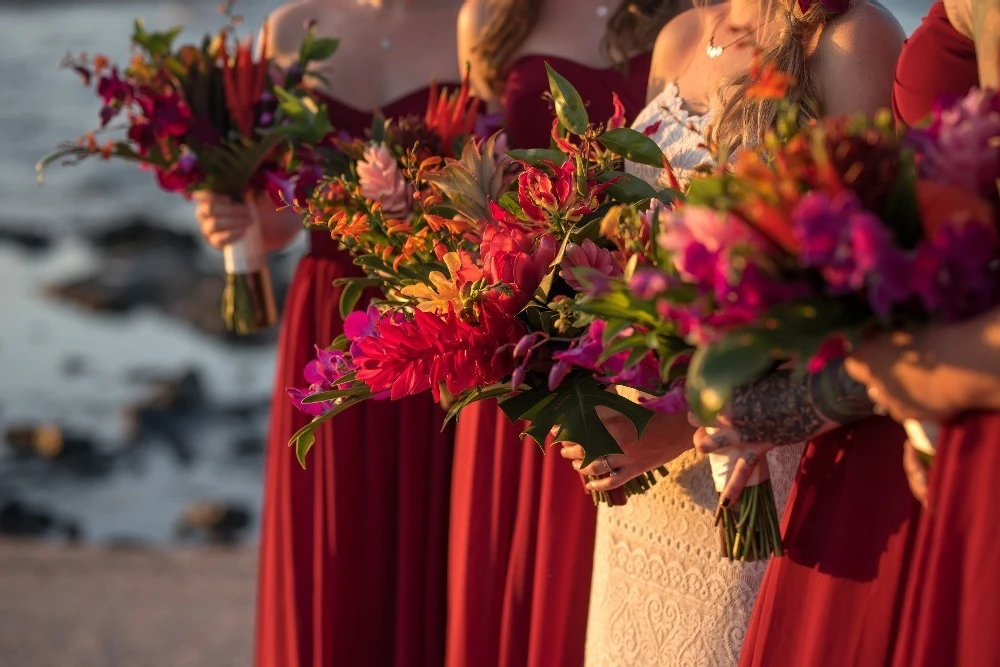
[(952, 607), (522, 527), (835, 598), (353, 548)]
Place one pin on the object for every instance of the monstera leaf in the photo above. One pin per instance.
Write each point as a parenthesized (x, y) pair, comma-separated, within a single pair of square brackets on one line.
[(572, 409)]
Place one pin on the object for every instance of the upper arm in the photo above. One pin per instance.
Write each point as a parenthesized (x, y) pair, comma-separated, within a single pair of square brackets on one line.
[(986, 34), (472, 18), (672, 50), (287, 29), (855, 61)]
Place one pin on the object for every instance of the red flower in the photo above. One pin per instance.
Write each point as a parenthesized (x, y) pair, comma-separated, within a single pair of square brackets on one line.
[(181, 176), (451, 116), (407, 357), (512, 257), (540, 196)]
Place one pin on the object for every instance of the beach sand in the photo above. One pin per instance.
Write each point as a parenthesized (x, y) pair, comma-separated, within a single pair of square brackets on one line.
[(86, 607)]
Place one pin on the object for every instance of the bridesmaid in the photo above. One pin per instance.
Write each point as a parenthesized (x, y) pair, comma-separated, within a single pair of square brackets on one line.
[(353, 548), (950, 614), (522, 529)]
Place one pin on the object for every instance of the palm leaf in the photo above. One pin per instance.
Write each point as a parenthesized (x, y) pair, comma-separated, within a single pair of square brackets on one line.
[(230, 167)]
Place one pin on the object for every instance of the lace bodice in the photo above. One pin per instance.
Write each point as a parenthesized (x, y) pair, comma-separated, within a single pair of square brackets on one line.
[(679, 133), (662, 595)]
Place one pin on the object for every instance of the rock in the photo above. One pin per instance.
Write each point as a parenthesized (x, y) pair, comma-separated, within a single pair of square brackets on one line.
[(73, 366), (248, 447), (72, 452), (27, 240), (20, 519), (168, 414), (146, 266), (214, 522)]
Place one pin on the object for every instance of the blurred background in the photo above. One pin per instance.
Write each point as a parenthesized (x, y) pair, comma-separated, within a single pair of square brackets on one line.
[(131, 424)]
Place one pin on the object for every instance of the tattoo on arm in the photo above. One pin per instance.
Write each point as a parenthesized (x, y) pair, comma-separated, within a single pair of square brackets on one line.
[(783, 410)]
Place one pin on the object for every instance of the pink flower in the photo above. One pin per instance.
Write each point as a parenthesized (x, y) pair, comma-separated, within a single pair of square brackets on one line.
[(617, 119), (833, 348), (513, 257), (671, 403), (694, 228), (182, 176), (587, 254), (955, 276), (381, 180)]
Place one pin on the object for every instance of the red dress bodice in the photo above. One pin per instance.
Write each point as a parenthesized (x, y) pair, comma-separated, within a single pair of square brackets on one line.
[(528, 112), (937, 60)]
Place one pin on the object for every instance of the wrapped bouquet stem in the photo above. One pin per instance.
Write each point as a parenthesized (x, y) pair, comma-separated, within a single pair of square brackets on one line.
[(248, 301), (748, 528)]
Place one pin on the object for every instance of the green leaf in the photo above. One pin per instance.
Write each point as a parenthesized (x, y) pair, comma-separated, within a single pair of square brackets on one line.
[(229, 168), (471, 396), (578, 420), (341, 342), (626, 188), (634, 146), (570, 109), (717, 369), (305, 437), (350, 296), (322, 49), (537, 157), (669, 196), (334, 394), (545, 286), (633, 342), (902, 208), (522, 403), (540, 427)]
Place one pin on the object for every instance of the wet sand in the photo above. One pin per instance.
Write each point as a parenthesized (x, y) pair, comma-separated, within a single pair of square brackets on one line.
[(84, 607)]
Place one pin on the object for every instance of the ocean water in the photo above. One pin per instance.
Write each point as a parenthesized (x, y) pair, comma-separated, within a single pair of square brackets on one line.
[(140, 498)]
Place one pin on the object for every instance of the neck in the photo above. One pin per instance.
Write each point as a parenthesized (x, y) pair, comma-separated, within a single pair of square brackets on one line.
[(750, 12)]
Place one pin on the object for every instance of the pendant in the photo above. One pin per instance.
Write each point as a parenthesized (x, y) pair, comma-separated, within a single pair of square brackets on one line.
[(714, 51), (386, 44), (603, 11)]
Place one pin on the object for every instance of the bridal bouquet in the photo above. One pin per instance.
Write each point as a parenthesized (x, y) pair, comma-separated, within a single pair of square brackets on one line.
[(478, 258), (208, 116)]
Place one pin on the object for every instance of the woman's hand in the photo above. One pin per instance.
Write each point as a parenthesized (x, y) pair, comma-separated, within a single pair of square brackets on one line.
[(916, 472), (666, 437), (224, 221), (935, 373)]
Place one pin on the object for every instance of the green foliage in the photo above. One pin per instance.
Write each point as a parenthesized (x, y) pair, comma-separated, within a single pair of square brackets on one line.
[(634, 146), (570, 109), (157, 44), (573, 408), (538, 157), (626, 188)]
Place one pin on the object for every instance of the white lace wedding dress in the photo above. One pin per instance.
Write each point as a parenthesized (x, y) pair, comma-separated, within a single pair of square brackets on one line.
[(662, 596)]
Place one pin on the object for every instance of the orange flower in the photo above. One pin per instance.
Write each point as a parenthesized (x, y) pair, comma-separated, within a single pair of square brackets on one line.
[(451, 116), (101, 63), (770, 83), (439, 222), (348, 227)]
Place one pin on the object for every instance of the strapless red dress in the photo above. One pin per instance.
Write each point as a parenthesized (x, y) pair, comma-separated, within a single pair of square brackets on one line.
[(522, 527), (353, 548), (953, 603)]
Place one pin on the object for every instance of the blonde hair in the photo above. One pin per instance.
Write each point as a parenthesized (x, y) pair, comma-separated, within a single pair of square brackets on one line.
[(743, 120), (631, 29)]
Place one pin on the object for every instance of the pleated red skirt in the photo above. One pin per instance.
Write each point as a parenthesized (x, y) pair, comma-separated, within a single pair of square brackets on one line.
[(952, 613), (354, 547), (836, 598), (521, 550)]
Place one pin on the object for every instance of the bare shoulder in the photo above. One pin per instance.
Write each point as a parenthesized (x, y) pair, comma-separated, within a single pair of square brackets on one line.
[(288, 24), (675, 45), (473, 17), (855, 59)]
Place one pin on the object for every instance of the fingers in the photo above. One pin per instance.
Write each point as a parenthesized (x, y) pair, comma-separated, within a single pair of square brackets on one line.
[(738, 480), (572, 451), (220, 240), (606, 465), (712, 439), (858, 370), (916, 473), (611, 482)]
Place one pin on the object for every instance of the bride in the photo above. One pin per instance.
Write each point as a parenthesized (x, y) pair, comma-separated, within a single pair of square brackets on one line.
[(661, 593)]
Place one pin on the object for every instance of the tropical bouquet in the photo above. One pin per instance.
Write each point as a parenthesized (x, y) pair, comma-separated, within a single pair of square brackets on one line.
[(209, 116), (478, 256), (833, 230)]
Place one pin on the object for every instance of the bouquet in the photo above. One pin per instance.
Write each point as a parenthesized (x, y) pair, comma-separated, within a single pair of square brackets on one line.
[(208, 116), (833, 230), (478, 256)]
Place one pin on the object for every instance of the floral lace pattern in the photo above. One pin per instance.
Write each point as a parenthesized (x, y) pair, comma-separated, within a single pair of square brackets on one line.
[(662, 595), (678, 132)]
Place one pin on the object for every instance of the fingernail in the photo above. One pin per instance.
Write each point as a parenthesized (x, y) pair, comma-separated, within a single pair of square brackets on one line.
[(589, 486)]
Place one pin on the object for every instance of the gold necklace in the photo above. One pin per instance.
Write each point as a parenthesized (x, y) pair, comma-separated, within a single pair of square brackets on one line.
[(714, 51)]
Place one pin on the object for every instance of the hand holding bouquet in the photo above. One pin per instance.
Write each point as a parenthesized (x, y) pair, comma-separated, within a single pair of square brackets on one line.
[(479, 258), (211, 116)]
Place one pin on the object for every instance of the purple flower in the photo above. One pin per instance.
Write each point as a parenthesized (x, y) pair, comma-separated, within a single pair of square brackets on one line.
[(115, 93), (671, 403), (648, 283), (880, 264), (954, 274), (361, 324), (321, 373), (960, 147), (558, 373), (587, 350)]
